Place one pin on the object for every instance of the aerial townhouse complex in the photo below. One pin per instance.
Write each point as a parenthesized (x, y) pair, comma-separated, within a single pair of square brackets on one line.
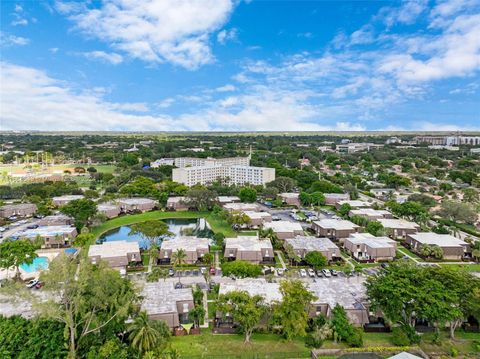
[(236, 170)]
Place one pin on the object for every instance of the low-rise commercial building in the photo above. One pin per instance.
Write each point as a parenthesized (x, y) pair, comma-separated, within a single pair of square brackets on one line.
[(302, 245), (366, 247), (53, 236), (162, 301), (250, 249), (332, 198), (109, 209), (177, 204), (195, 248), (336, 229), (136, 204), (399, 228), (241, 207), (19, 210), (453, 248), (291, 199), (118, 254), (258, 218), (370, 213), (285, 229), (227, 199), (63, 200)]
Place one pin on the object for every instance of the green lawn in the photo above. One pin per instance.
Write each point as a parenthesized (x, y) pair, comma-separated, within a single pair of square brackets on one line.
[(467, 267), (208, 345), (405, 251)]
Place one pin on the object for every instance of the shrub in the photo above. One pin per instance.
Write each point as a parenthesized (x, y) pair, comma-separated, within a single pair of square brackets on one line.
[(399, 337), (241, 269), (356, 338)]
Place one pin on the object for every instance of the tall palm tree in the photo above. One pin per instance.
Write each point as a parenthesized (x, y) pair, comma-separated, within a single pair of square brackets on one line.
[(147, 335)]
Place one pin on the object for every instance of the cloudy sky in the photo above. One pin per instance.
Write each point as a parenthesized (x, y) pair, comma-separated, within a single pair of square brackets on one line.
[(240, 65)]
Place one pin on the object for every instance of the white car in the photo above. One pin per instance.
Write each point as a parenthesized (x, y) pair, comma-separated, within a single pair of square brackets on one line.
[(303, 273), (280, 271), (311, 273), (326, 273), (32, 283)]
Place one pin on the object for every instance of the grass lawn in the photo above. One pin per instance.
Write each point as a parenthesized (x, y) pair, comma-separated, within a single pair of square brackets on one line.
[(467, 267), (405, 251), (208, 345)]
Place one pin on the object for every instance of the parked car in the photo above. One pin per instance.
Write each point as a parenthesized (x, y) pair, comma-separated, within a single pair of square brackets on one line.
[(311, 273), (280, 271), (39, 285), (326, 273), (384, 265), (334, 272), (266, 270), (303, 273), (276, 218), (178, 285), (319, 273), (195, 272), (203, 270), (32, 283), (171, 272), (212, 271), (32, 226)]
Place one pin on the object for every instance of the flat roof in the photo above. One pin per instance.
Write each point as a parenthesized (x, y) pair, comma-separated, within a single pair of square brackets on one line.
[(370, 211), (46, 231), (289, 195), (349, 292), (227, 199), (254, 286), (336, 195), (355, 203), (175, 199), (136, 200), (162, 297), (284, 226), (255, 215), (397, 223), (18, 205), (442, 240), (113, 249), (240, 206), (371, 240), (68, 197), (186, 243), (338, 224), (107, 205), (311, 243), (248, 243)]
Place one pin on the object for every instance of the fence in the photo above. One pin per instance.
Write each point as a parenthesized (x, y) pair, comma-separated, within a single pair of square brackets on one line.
[(277, 355)]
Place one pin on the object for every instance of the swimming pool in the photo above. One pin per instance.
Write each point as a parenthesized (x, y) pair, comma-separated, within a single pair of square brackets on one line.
[(38, 264)]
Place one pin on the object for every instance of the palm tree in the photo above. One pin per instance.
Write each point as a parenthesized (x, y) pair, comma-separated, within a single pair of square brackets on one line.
[(147, 335), (178, 257)]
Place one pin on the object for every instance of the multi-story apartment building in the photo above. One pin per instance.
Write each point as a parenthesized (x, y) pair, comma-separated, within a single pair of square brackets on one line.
[(452, 140), (238, 175), (182, 162)]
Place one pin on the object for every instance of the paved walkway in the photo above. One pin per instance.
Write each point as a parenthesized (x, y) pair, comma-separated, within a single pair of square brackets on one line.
[(280, 257), (404, 252), (217, 260)]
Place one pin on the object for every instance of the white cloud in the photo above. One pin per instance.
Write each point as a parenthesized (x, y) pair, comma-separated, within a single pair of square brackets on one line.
[(306, 35), (227, 35), (226, 88), (166, 102), (154, 30), (111, 57), (53, 50), (407, 13), (7, 39), (19, 17)]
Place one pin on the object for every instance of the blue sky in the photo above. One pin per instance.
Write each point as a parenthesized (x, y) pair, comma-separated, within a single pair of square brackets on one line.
[(240, 65)]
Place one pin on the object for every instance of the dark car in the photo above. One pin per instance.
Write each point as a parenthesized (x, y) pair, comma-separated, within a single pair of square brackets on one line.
[(32, 226)]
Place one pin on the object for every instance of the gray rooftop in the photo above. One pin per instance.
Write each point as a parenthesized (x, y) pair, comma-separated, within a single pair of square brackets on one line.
[(442, 240), (136, 200), (338, 224), (188, 243), (162, 297), (254, 286), (248, 243), (113, 249), (348, 292), (284, 226), (311, 243), (371, 240), (397, 223), (46, 231)]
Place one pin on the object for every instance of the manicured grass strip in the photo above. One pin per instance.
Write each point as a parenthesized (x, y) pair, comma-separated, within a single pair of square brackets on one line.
[(467, 267), (405, 251), (208, 345)]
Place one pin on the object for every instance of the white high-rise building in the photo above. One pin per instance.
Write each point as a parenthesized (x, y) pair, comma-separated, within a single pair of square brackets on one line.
[(181, 162)]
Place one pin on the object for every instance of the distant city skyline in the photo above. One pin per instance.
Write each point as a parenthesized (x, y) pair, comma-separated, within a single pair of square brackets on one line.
[(224, 65)]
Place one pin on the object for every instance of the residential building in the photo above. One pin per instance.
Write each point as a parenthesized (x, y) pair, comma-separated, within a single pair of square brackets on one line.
[(382, 192), (254, 286), (249, 248), (399, 228), (227, 199), (332, 198), (366, 247), (336, 229), (182, 162), (356, 147), (63, 200), (350, 293), (370, 213), (285, 229), (19, 210), (234, 175), (258, 218), (453, 248), (162, 301), (195, 248), (118, 254), (291, 199), (163, 162), (177, 204), (53, 236), (136, 204), (306, 244), (353, 204), (57, 220), (109, 209), (241, 207), (451, 140)]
